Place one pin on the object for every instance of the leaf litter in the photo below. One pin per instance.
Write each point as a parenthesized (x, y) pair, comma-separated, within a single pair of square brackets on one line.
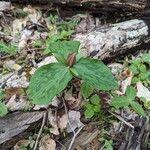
[(29, 34)]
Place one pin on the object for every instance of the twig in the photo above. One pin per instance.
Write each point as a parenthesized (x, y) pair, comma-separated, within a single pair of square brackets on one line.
[(121, 119), (74, 133), (68, 117), (64, 147), (74, 136), (40, 131)]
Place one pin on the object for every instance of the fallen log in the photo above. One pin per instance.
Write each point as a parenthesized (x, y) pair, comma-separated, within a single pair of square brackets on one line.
[(116, 39), (101, 5), (16, 124)]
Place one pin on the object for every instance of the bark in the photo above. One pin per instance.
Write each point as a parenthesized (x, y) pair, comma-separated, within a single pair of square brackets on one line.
[(116, 39), (107, 5), (5, 6), (137, 138), (15, 124)]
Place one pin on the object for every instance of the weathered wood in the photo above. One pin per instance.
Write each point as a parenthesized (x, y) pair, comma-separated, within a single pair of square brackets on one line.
[(136, 138), (5, 6), (16, 123), (113, 40), (107, 5)]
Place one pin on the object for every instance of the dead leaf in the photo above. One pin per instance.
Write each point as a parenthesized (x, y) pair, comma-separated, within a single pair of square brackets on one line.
[(15, 103), (55, 102), (17, 26), (38, 107), (47, 143), (126, 73), (17, 81), (12, 91), (21, 143), (125, 83), (53, 122), (33, 14), (62, 121), (5, 6), (74, 119), (47, 60), (73, 103), (86, 137), (116, 68), (11, 65), (25, 36), (144, 92)]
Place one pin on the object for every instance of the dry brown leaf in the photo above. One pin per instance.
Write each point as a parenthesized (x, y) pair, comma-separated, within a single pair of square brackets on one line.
[(12, 91), (142, 91), (47, 143), (47, 60), (73, 103), (25, 36), (16, 81), (21, 143), (33, 14), (127, 73), (53, 122), (15, 103), (5, 6), (116, 68), (74, 119), (11, 65), (125, 83), (62, 121)]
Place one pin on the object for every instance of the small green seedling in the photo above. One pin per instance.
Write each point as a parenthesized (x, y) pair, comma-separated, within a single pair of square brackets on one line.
[(139, 67), (51, 79), (3, 108), (93, 107), (108, 145), (128, 100)]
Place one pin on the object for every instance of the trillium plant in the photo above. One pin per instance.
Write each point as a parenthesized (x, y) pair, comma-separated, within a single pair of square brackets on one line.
[(49, 80)]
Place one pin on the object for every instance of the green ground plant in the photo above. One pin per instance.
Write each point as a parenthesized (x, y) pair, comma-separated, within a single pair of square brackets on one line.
[(140, 69), (128, 100), (93, 107), (51, 79)]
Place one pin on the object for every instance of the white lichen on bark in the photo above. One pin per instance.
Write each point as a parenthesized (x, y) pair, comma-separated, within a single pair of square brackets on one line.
[(106, 40)]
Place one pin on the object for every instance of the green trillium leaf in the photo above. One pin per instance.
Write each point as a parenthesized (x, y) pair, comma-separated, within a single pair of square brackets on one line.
[(47, 82), (96, 74), (61, 49), (86, 89)]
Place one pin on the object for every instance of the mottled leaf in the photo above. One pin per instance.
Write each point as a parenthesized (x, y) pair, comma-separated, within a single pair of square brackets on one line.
[(96, 74), (61, 49), (86, 89), (47, 82)]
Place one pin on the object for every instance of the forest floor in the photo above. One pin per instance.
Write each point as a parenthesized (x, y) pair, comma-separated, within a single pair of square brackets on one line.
[(79, 117)]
